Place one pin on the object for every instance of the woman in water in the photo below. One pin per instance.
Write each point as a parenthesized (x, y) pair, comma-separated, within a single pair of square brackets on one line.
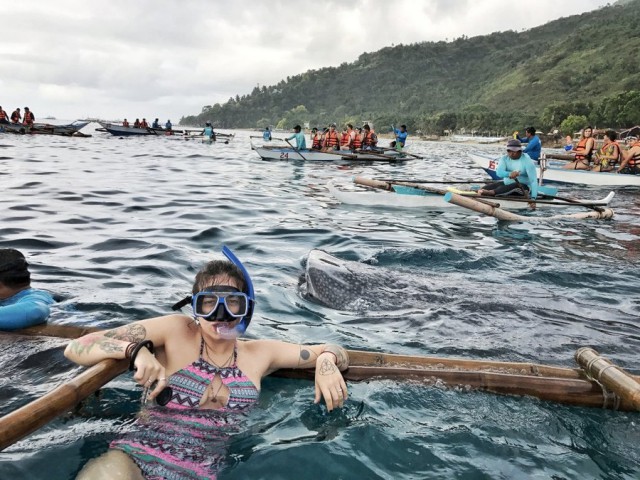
[(201, 377)]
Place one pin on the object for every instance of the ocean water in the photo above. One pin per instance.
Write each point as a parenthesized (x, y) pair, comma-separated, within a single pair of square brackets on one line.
[(116, 229)]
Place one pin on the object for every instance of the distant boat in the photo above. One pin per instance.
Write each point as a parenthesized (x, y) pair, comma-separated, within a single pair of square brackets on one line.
[(67, 130)]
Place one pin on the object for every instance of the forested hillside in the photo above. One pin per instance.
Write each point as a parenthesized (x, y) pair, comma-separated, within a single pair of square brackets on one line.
[(584, 68)]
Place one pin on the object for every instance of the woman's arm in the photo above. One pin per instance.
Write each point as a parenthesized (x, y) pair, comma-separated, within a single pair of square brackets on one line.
[(328, 360)]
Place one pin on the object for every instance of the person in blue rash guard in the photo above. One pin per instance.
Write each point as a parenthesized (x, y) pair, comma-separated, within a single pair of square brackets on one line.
[(534, 146), (515, 165), (20, 305), (401, 136), (301, 142)]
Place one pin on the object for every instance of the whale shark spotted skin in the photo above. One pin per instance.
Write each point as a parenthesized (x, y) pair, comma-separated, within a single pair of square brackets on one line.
[(348, 285)]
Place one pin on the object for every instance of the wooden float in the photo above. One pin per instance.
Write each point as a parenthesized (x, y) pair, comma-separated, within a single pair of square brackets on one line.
[(570, 386)]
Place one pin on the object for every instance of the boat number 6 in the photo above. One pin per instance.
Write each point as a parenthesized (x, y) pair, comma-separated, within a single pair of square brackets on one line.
[(492, 164), (284, 156)]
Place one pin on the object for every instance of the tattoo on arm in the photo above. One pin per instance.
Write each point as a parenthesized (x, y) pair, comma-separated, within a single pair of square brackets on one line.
[(128, 333), (307, 357), (342, 357)]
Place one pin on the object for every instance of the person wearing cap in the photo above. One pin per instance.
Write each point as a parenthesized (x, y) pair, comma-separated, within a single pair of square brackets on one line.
[(534, 146), (518, 173), (28, 118), (331, 139), (20, 305), (301, 142)]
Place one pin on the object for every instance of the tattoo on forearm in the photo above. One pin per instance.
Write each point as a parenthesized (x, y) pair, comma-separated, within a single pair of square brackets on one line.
[(129, 333), (307, 357), (342, 357), (327, 368)]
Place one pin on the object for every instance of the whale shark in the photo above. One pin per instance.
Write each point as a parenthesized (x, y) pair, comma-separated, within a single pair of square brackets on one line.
[(349, 285)]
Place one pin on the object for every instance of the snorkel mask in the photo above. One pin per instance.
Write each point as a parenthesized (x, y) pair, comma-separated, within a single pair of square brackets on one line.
[(224, 304)]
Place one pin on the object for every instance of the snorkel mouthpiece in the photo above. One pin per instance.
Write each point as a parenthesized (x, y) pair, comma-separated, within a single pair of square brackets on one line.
[(229, 333)]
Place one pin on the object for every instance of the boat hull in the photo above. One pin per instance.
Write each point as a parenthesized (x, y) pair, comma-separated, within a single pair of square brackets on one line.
[(318, 156), (429, 201), (43, 128), (554, 174)]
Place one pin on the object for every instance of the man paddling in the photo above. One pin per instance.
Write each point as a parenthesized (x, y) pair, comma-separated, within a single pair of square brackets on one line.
[(301, 142), (534, 146), (518, 173), (20, 305)]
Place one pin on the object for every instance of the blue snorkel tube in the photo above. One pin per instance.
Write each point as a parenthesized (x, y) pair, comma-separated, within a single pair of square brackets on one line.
[(248, 290)]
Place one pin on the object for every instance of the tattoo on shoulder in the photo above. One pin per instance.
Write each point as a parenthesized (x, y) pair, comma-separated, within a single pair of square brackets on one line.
[(129, 333)]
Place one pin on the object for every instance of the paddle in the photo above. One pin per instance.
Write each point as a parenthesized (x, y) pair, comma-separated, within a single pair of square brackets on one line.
[(299, 153), (381, 155)]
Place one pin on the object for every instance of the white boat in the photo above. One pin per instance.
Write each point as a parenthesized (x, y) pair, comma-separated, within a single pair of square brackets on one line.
[(357, 195), (556, 174), (288, 153)]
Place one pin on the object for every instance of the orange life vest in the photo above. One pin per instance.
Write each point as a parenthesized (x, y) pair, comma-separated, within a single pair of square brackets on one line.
[(28, 118), (15, 116), (344, 140), (316, 142), (581, 148), (634, 161), (331, 139), (370, 139), (3, 115), (125, 124), (357, 142), (144, 124)]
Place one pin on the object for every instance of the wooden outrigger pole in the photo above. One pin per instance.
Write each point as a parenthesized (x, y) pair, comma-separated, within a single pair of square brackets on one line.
[(603, 385)]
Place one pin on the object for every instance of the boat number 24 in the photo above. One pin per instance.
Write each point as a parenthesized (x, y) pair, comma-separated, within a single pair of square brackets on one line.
[(284, 156)]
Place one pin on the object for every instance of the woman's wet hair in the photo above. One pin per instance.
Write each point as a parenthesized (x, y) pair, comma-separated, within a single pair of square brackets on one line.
[(14, 270), (217, 268)]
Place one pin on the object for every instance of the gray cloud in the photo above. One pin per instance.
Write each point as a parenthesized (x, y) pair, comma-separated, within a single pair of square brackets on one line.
[(163, 58)]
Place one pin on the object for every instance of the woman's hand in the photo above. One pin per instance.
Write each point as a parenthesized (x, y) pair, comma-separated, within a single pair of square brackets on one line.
[(329, 381), (149, 373)]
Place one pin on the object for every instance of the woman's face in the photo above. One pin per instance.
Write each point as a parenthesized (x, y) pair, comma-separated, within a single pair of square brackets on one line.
[(587, 132)]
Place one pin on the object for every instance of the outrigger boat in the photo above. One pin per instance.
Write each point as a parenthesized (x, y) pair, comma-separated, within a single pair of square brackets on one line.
[(615, 388), (283, 152), (67, 130), (187, 134), (404, 194), (551, 172)]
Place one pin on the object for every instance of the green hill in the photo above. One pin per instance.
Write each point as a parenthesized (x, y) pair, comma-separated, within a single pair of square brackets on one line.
[(585, 66)]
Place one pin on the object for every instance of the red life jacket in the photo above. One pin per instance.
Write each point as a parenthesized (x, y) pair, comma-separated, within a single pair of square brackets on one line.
[(357, 142), (635, 160), (3, 115), (344, 140), (581, 148), (28, 118), (331, 139), (370, 139), (125, 124), (316, 142), (144, 124)]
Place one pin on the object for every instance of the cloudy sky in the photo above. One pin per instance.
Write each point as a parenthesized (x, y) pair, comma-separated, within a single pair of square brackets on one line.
[(161, 58)]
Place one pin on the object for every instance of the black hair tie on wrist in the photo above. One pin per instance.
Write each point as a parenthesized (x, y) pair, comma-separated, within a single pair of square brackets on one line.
[(146, 343)]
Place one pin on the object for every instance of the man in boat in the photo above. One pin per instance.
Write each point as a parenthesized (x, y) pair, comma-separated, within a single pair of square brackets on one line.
[(369, 138), (331, 139), (356, 143), (16, 116), (301, 142), (631, 160), (168, 126), (518, 173), (144, 124), (534, 146), (156, 123), (4, 118), (266, 135), (208, 132), (20, 305), (125, 123), (401, 136), (136, 124), (28, 118)]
